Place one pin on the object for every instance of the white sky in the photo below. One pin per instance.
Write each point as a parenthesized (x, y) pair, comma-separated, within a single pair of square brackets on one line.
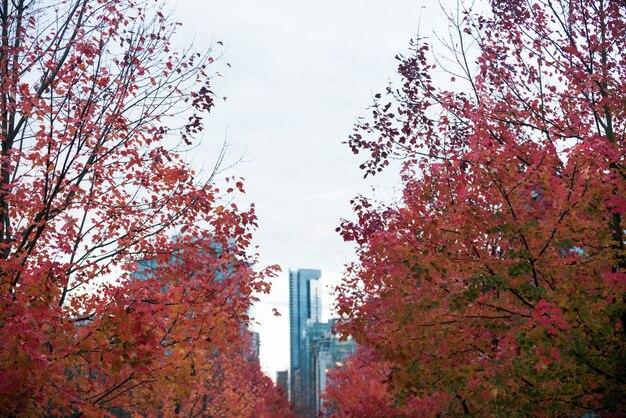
[(301, 73)]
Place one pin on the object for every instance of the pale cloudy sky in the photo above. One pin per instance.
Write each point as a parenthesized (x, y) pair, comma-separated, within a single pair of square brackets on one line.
[(300, 74)]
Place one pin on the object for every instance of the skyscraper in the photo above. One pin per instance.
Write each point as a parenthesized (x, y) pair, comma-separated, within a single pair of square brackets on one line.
[(304, 305)]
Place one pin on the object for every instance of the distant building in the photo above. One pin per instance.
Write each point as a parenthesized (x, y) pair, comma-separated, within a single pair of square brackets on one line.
[(282, 381), (316, 336), (304, 306), (255, 345), (322, 351), (332, 353), (314, 348)]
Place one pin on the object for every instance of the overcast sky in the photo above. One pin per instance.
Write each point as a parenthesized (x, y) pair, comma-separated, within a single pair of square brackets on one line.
[(300, 74)]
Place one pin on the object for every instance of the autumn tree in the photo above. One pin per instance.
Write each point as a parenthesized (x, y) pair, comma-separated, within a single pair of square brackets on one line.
[(496, 287), (237, 388), (97, 110), (360, 388)]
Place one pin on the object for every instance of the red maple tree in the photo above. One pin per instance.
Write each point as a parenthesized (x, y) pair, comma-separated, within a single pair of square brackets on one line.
[(92, 181), (497, 286), (360, 388), (237, 388)]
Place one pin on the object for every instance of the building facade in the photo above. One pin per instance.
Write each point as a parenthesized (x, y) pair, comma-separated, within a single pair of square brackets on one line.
[(322, 351), (282, 381), (304, 306), (315, 348), (314, 343)]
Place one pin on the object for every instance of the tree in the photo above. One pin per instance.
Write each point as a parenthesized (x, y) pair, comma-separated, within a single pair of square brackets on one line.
[(237, 388), (93, 180), (497, 284), (360, 388)]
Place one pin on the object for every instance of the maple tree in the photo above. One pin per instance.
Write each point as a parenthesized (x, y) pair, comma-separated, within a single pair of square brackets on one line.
[(360, 388), (97, 110), (497, 286), (237, 388)]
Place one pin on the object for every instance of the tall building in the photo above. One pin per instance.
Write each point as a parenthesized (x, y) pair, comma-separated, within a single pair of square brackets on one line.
[(304, 306), (315, 342), (315, 349), (282, 381), (322, 350)]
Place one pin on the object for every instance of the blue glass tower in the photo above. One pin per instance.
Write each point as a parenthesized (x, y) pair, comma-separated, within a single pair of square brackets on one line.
[(304, 305)]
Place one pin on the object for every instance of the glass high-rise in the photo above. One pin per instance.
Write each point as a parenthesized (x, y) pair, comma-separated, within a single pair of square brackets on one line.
[(304, 305)]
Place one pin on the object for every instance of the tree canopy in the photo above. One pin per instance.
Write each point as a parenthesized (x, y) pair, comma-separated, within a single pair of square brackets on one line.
[(97, 111), (496, 287)]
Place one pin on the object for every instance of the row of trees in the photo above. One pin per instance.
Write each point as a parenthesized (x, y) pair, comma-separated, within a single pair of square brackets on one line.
[(497, 286), (96, 109)]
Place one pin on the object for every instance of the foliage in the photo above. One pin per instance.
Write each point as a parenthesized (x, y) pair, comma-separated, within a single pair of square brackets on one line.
[(497, 286), (92, 180), (237, 388), (360, 388)]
